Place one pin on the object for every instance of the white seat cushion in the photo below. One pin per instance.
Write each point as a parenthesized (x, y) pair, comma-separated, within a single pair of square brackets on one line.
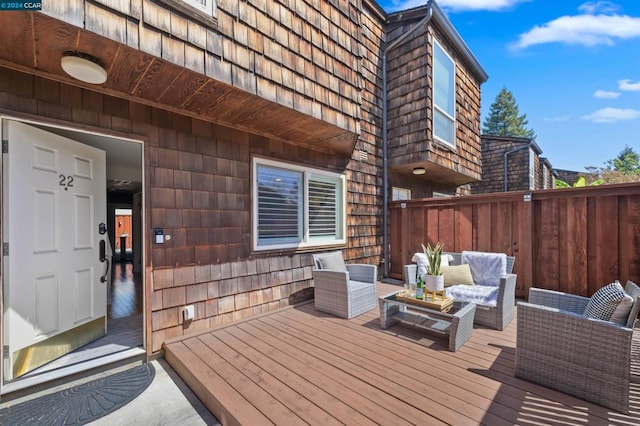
[(478, 294)]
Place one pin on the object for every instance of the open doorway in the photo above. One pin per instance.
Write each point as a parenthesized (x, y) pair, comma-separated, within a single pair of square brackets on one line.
[(121, 279)]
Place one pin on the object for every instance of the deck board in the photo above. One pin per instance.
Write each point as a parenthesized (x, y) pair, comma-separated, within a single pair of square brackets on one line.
[(301, 366)]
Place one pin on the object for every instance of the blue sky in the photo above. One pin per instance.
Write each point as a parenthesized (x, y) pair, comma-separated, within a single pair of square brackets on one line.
[(572, 66)]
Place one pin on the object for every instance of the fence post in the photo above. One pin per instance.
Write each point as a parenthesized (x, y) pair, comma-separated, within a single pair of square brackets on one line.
[(526, 249)]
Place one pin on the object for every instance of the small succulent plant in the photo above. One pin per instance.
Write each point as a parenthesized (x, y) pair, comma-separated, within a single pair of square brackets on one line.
[(434, 255)]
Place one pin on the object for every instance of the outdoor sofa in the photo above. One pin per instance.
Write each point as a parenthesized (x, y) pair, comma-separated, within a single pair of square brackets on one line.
[(495, 305)]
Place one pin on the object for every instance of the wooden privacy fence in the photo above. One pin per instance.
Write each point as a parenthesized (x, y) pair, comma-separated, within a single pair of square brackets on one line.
[(574, 240)]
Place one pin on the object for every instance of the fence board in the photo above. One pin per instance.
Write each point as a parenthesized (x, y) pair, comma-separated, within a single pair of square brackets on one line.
[(623, 255), (573, 245), (607, 236), (483, 227), (464, 228), (432, 234), (547, 244), (446, 224), (500, 235), (574, 240), (633, 230)]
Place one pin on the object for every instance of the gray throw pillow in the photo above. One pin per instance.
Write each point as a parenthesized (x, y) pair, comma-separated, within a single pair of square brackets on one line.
[(332, 261)]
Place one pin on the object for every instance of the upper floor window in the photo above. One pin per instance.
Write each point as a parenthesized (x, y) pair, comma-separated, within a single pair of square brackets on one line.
[(206, 6), (545, 177), (295, 206), (532, 169), (444, 115)]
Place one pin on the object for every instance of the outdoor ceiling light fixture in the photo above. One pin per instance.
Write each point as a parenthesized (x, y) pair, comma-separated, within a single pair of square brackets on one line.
[(83, 67), (419, 171)]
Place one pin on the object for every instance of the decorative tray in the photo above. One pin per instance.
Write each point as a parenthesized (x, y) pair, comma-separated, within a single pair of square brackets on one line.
[(438, 304)]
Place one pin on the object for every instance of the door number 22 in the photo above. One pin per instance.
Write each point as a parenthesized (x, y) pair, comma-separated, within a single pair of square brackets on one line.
[(66, 182)]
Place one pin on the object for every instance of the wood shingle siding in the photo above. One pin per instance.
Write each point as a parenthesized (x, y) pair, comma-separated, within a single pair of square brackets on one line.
[(494, 149), (199, 193), (410, 104), (303, 58), (298, 82)]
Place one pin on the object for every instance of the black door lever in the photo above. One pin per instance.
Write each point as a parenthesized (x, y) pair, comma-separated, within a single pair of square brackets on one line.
[(103, 259)]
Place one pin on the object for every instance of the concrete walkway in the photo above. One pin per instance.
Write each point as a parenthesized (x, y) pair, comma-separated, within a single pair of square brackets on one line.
[(167, 401)]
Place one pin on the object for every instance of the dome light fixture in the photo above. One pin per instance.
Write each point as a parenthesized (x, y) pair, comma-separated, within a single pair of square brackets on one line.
[(83, 67), (419, 171)]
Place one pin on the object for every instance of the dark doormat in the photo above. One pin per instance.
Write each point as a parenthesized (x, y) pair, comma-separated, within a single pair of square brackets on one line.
[(81, 404)]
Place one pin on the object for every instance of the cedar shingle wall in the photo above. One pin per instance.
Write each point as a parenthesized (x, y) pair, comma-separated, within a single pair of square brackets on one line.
[(304, 55), (364, 177), (408, 68), (321, 58), (199, 191), (410, 103), (493, 151)]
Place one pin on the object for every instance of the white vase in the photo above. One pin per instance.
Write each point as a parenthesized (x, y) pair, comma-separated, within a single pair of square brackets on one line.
[(434, 283)]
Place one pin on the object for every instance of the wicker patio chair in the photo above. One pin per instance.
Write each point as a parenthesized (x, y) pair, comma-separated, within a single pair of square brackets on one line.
[(344, 290), (496, 317), (558, 347)]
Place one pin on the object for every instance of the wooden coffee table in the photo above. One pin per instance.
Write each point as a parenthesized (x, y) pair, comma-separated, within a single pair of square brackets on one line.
[(456, 324)]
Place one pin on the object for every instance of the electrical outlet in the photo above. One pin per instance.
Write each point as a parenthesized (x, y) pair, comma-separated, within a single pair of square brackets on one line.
[(189, 312)]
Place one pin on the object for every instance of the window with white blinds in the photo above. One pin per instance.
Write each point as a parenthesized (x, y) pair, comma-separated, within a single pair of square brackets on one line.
[(323, 203), (296, 206), (206, 6), (279, 205)]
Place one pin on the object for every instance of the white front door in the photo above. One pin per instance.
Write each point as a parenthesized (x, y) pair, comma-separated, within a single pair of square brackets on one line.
[(54, 202)]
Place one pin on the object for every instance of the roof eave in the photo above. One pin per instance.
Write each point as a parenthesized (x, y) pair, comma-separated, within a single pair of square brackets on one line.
[(454, 36)]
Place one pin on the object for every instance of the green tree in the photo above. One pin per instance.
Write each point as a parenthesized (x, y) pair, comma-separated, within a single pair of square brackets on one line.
[(504, 118), (627, 162), (624, 168)]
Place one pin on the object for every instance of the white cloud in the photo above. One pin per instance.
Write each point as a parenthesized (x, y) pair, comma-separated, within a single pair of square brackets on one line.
[(629, 86), (586, 29), (405, 4), (559, 119), (593, 7), (459, 5), (602, 94), (611, 115)]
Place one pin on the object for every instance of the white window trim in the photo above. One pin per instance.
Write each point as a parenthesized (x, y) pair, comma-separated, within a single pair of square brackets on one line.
[(400, 194), (532, 169), (433, 101), (305, 243), (209, 8)]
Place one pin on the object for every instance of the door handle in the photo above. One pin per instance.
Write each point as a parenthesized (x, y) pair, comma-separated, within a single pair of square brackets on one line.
[(103, 259)]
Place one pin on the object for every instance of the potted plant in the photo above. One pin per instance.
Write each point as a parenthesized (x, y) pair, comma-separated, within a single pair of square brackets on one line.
[(434, 280)]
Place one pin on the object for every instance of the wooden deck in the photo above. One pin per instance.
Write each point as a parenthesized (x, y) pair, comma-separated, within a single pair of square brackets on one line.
[(300, 366)]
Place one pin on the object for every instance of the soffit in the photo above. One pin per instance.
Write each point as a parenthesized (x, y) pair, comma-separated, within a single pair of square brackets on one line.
[(34, 43)]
